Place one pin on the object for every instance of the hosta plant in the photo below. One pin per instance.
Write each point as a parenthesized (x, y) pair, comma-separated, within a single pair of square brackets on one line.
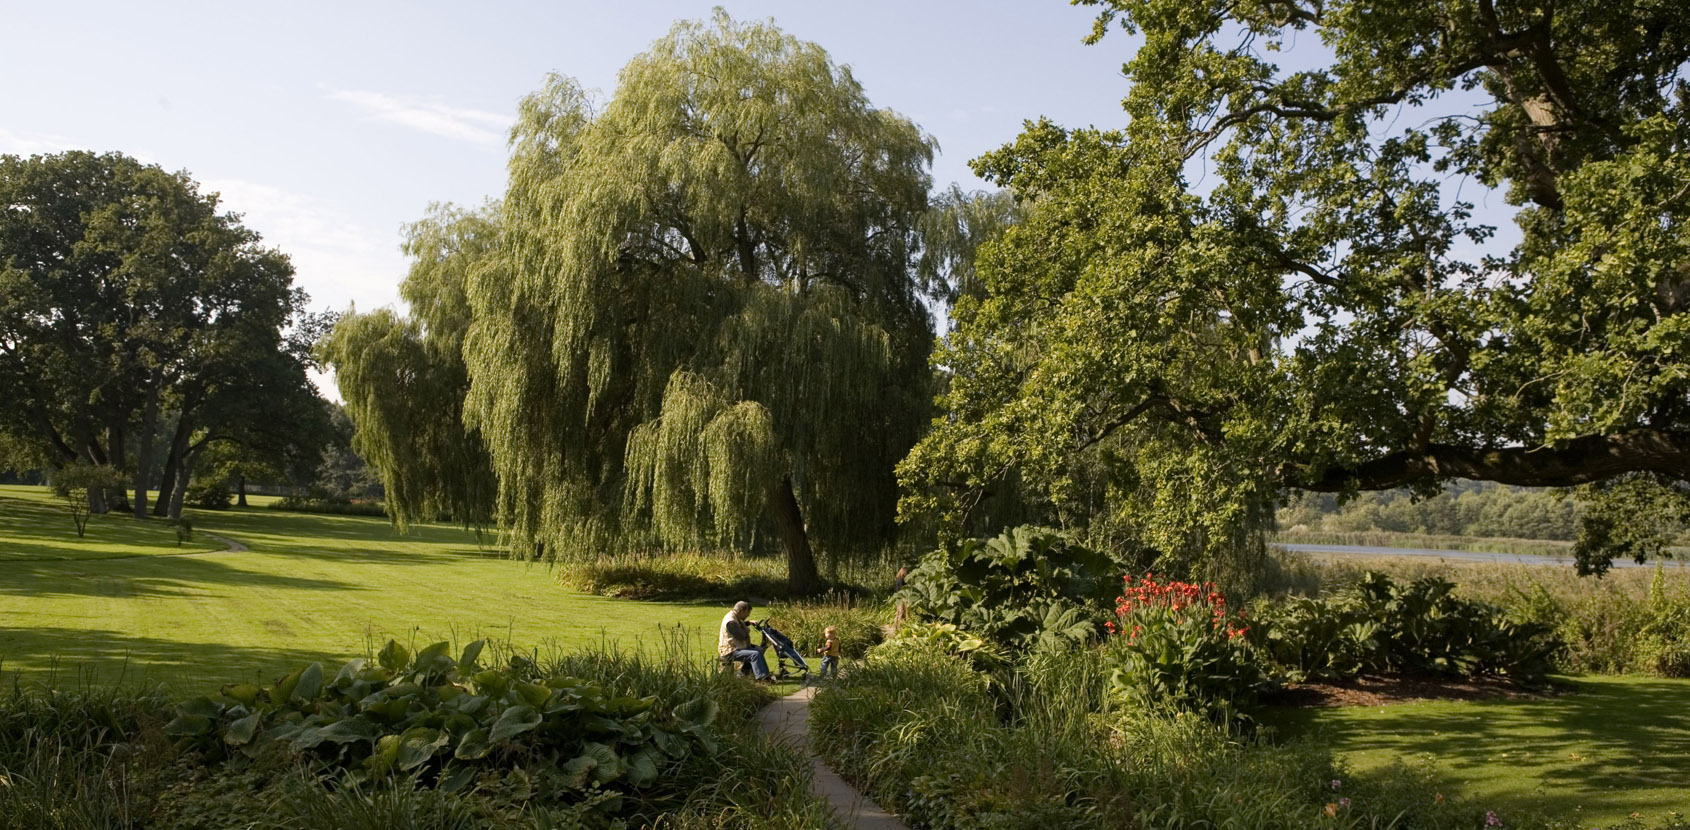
[(446, 720)]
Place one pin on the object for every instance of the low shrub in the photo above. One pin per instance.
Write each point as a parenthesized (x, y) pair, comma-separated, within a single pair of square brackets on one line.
[(1378, 626), (210, 495), (678, 577), (1026, 588), (861, 623), (336, 507)]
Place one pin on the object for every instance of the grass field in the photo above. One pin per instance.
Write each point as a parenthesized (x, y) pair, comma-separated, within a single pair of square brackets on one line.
[(127, 604), (1601, 749)]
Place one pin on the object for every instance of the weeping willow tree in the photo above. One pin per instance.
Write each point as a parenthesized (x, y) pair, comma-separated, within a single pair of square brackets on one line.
[(403, 378), (704, 321)]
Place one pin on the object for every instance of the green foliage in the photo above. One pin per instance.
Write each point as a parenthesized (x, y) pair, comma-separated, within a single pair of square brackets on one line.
[(404, 379), (211, 495), (860, 622), (100, 758), (1274, 275), (704, 320), (677, 577), (1043, 746), (125, 295), (1632, 517), (78, 484), (1026, 588), (1177, 648), (1465, 509), (431, 714), (329, 505), (1380, 627)]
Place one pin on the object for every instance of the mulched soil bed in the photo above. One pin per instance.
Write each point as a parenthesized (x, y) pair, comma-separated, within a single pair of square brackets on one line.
[(1379, 691)]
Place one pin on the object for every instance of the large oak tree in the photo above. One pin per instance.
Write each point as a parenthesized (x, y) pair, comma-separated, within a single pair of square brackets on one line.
[(128, 300), (1285, 271)]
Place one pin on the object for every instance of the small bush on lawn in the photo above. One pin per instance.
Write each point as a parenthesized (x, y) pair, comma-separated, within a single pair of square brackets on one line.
[(1027, 588), (210, 495), (860, 622), (1381, 627)]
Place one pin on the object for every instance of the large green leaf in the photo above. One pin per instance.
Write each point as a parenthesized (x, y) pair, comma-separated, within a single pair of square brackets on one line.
[(700, 711), (188, 726), (643, 768), (393, 656), (474, 745), (608, 764), (532, 694), (310, 682), (245, 694), (417, 745), (435, 659), (514, 721), (241, 731), (472, 652)]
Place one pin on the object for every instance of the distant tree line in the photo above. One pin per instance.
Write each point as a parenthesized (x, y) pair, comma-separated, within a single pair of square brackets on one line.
[(1465, 508)]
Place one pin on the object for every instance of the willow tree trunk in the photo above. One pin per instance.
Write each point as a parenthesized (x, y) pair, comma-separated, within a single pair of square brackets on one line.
[(802, 579), (240, 490)]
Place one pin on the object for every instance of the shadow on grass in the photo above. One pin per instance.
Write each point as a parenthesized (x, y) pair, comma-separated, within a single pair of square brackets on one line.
[(150, 576), (1596, 748), (81, 658), (31, 531)]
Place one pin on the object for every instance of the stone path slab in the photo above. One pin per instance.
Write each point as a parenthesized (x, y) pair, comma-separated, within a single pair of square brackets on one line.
[(788, 720)]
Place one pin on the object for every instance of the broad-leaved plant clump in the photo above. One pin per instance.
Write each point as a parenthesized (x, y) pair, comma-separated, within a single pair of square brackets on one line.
[(1379, 626), (447, 720), (1027, 588)]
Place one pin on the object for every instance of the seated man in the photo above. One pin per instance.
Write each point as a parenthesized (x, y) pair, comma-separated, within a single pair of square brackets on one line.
[(734, 644)]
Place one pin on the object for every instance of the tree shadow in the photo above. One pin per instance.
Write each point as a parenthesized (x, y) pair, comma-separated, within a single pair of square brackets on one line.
[(68, 658), (1589, 749), (151, 576)]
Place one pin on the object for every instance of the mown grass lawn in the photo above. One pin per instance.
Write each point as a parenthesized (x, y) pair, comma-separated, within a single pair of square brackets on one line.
[(127, 603), (1602, 749)]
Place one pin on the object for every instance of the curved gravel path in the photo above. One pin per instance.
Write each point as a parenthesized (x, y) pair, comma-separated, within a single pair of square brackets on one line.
[(788, 721)]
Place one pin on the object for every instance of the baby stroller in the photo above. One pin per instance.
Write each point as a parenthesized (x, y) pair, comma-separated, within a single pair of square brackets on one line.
[(784, 651)]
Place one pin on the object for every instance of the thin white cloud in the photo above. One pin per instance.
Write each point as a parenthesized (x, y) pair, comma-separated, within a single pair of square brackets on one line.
[(336, 260), (30, 144), (433, 117)]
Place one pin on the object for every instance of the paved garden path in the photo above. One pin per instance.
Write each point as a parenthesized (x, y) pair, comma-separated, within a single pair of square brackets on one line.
[(788, 721)]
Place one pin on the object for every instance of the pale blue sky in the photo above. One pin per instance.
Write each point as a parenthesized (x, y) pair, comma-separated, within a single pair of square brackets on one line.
[(330, 125)]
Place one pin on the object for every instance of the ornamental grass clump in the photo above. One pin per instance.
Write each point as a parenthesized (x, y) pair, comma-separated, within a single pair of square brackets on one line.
[(1177, 645)]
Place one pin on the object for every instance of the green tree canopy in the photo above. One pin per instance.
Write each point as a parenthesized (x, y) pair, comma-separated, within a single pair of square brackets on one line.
[(124, 293), (1275, 276), (702, 320)]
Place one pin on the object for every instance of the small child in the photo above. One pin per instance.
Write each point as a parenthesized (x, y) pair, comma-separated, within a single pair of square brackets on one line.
[(830, 652)]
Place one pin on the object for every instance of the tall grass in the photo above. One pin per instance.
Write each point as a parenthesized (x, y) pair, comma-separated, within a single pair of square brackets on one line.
[(1043, 746)]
